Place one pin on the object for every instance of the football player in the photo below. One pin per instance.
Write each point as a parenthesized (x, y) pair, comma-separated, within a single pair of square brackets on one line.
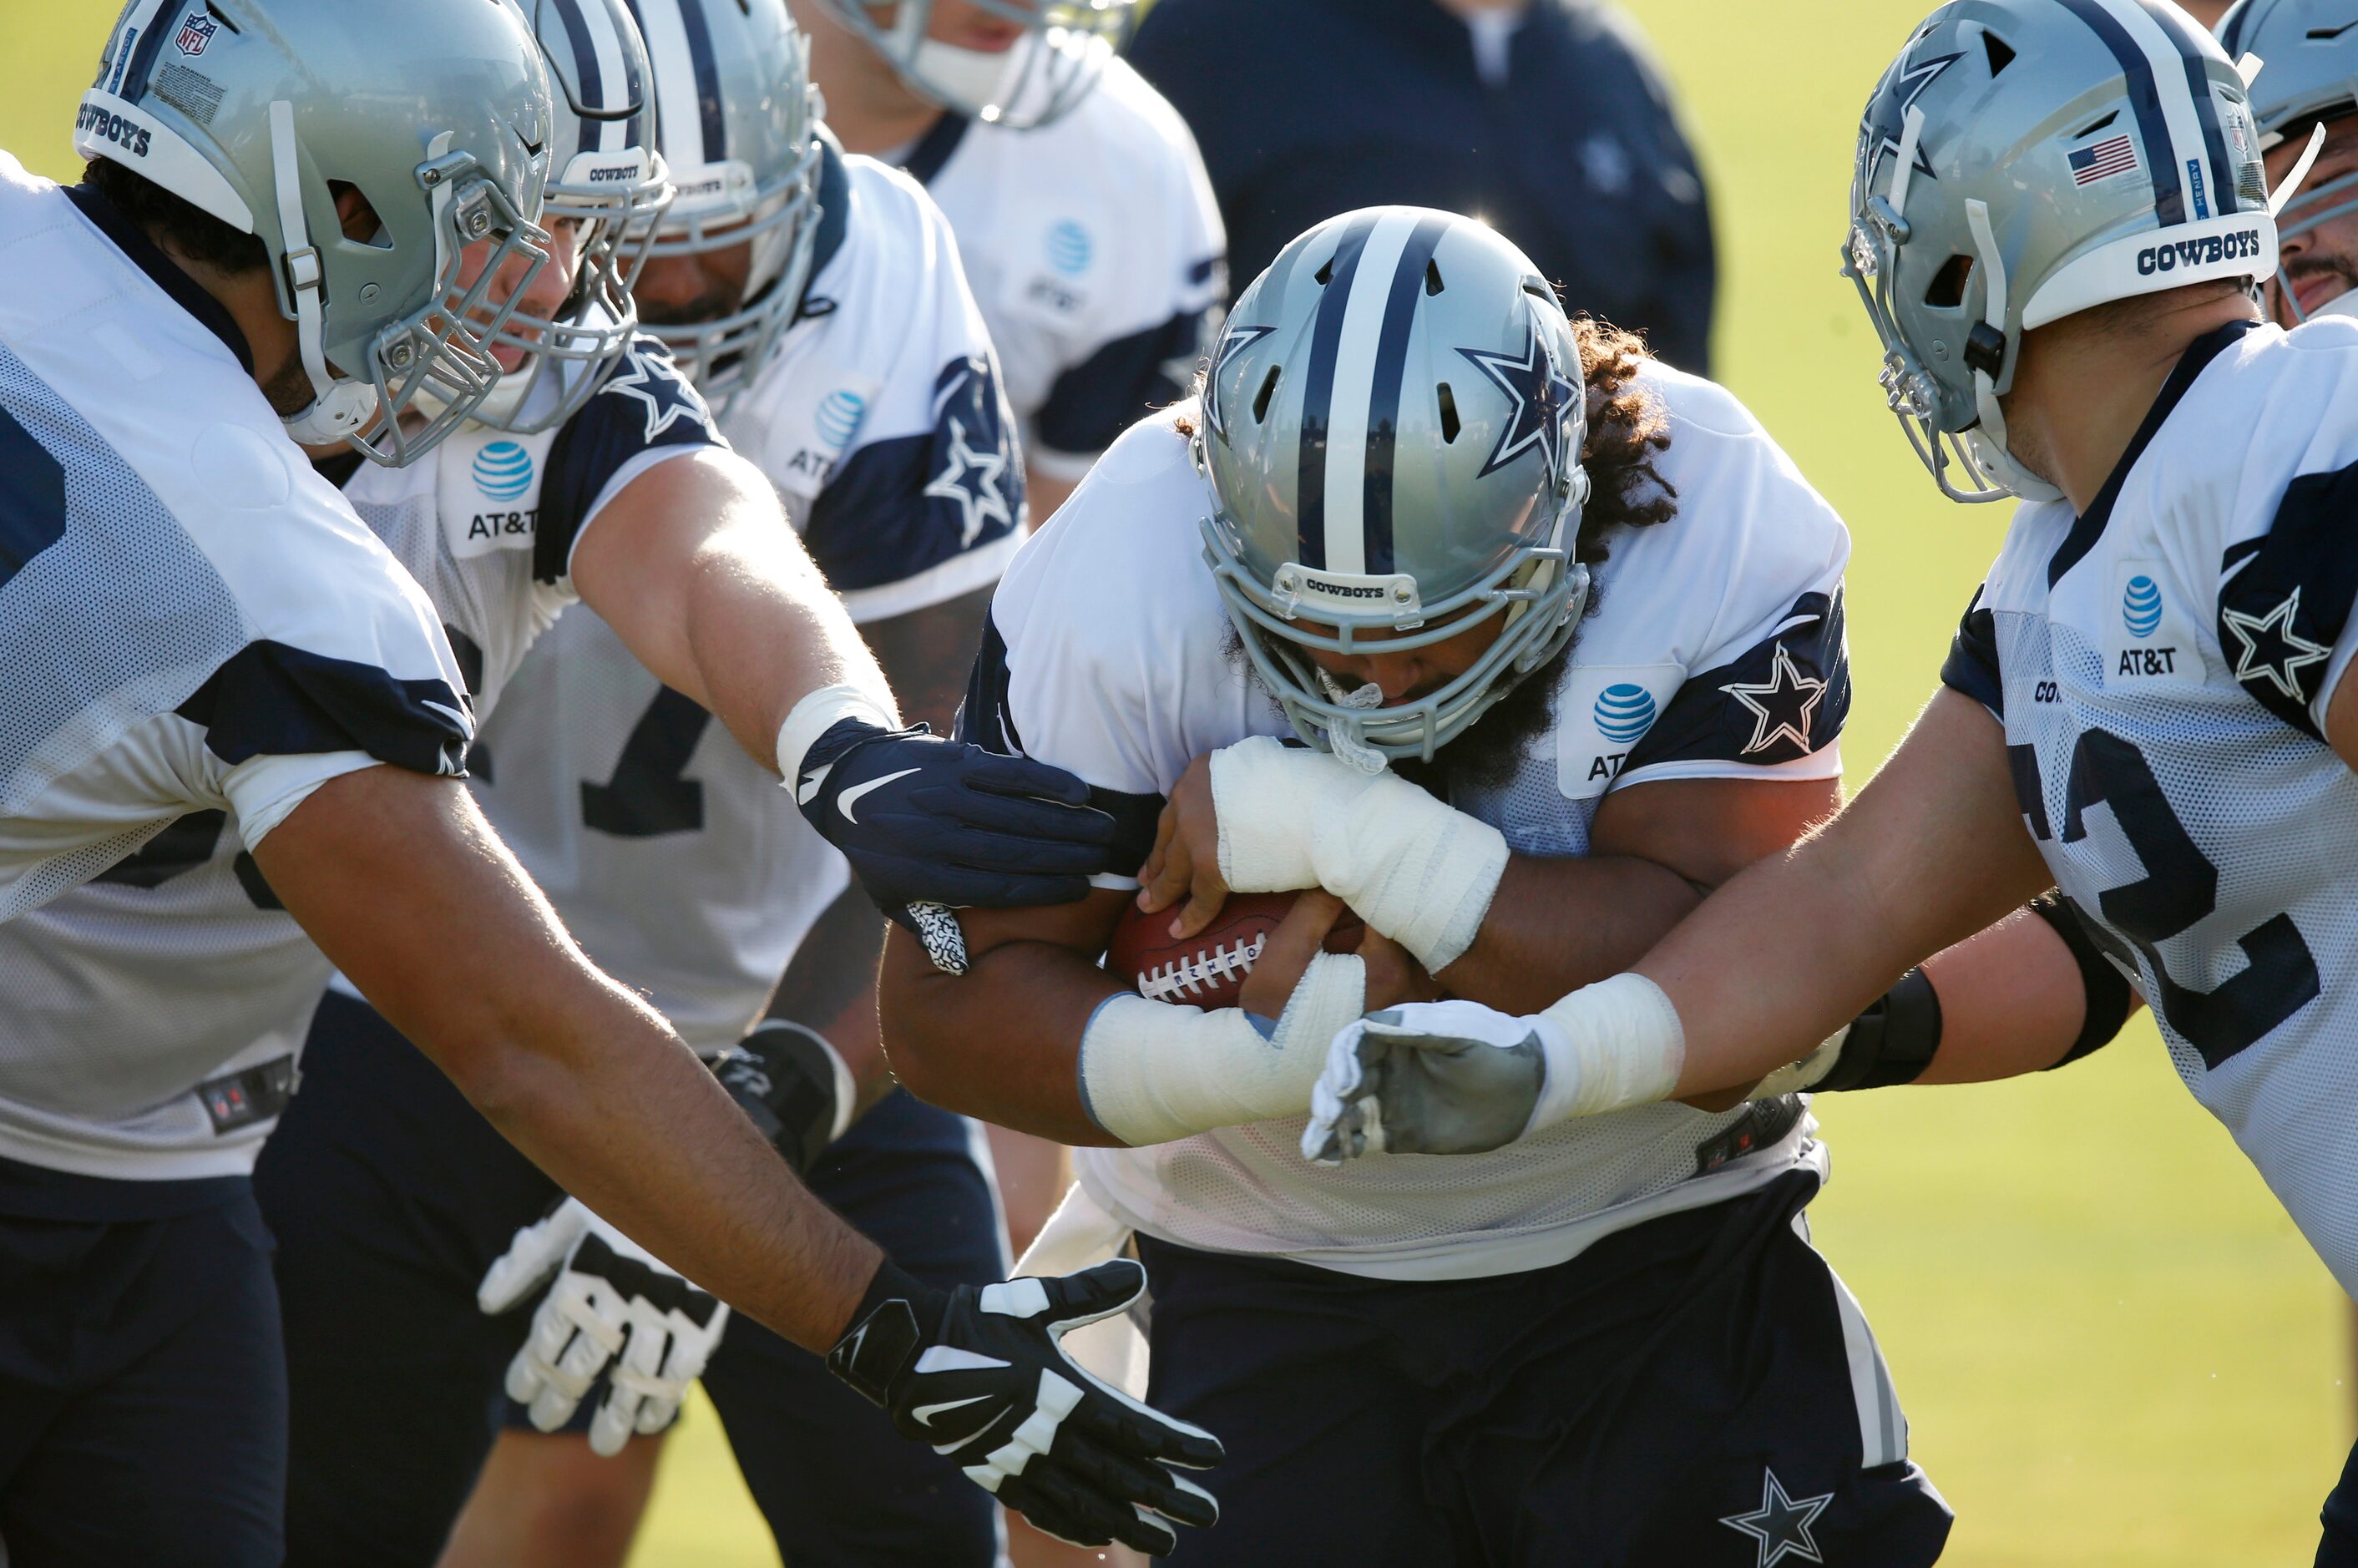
[(228, 645), (1082, 209), (818, 300), (1377, 532), (2145, 703)]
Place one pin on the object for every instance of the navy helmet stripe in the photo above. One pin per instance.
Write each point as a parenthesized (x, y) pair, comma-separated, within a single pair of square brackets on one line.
[(1318, 391), (2214, 141), (708, 79), (1384, 394), (591, 90), (165, 17), (648, 130), (2144, 101)]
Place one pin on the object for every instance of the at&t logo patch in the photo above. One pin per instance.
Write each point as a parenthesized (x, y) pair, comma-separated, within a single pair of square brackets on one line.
[(839, 417), (2146, 636), (2141, 606), (502, 470), (1069, 249), (1624, 712)]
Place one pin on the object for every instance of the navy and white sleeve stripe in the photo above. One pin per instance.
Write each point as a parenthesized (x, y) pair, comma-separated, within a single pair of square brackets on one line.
[(895, 507), (273, 699), (646, 405), (2285, 597), (1782, 700), (1971, 664), (1121, 383)]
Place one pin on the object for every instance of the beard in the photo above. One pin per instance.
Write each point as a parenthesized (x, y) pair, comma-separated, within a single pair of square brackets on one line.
[(1483, 756)]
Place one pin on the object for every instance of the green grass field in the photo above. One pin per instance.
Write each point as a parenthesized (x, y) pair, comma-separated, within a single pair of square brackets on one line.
[(2112, 1345)]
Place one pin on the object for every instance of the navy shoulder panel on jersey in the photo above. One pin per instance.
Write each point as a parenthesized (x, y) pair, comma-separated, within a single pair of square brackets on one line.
[(645, 404), (32, 502), (1971, 664), (987, 720), (1123, 381), (1783, 698), (270, 699), (2283, 598), (894, 507)]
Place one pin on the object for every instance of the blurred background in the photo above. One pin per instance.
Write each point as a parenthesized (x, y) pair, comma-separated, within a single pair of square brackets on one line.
[(2112, 1345)]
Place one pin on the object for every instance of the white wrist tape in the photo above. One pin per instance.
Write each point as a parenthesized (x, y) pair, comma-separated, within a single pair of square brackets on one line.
[(1416, 870), (820, 711), (847, 1090), (1608, 1046), (1151, 1072)]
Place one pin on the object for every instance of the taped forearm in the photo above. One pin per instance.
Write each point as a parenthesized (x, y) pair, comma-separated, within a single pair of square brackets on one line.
[(1412, 867), (1151, 1072), (1608, 1046), (820, 711)]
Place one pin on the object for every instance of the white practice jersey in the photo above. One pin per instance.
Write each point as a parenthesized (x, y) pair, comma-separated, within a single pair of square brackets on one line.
[(195, 633), (1714, 650), (181, 953), (1095, 252), (676, 859), (2162, 666)]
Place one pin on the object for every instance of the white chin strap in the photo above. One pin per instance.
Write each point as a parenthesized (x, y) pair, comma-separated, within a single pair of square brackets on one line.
[(1987, 441), (340, 410)]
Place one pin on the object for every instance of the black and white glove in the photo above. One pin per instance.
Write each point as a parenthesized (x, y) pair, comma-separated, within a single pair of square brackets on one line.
[(928, 823), (978, 1373), (606, 1306), (794, 1087)]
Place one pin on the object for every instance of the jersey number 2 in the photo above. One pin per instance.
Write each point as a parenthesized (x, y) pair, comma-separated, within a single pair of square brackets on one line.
[(2181, 887)]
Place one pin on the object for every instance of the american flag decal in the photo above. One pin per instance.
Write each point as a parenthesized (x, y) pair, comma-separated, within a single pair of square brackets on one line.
[(2113, 154)]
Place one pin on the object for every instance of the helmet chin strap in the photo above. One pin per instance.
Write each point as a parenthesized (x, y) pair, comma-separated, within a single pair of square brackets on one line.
[(340, 410), (1987, 441), (968, 78)]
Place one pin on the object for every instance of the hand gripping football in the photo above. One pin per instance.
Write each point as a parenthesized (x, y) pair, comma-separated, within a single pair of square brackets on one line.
[(1207, 969)]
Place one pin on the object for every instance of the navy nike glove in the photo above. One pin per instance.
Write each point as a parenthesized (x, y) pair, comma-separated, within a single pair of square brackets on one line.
[(929, 821), (979, 1375)]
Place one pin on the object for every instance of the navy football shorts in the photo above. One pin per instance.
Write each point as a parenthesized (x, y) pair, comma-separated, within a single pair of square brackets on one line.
[(1697, 1391), (390, 1197)]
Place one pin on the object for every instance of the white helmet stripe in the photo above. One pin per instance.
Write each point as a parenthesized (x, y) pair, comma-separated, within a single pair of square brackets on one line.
[(1355, 378), (676, 83), (2164, 58)]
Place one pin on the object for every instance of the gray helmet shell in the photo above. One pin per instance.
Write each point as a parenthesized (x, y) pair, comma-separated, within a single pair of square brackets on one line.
[(250, 109), (1391, 428), (1055, 63), (2025, 159), (608, 181), (2306, 52), (746, 162)]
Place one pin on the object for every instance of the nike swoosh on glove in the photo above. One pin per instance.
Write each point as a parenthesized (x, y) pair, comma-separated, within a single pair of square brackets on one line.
[(978, 1374), (607, 1306), (929, 821)]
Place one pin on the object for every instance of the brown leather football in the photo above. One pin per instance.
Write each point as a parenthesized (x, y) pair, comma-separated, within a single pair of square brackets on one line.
[(1207, 969)]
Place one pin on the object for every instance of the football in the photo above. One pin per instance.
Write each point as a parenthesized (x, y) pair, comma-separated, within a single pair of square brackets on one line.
[(1207, 969)]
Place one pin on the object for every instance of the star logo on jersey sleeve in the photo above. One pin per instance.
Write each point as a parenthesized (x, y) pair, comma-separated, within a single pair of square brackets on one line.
[(1233, 341), (1781, 1526), (970, 478), (1538, 397), (1783, 706), (651, 378), (2271, 650)]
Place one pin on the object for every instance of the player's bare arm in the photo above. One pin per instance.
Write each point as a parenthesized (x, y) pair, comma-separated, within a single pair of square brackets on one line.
[(470, 962), (1003, 1041)]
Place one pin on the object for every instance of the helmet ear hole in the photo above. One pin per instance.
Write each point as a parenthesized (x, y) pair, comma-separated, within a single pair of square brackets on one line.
[(1326, 274), (1999, 52), (1947, 289), (1450, 423), (1260, 399), (1433, 283)]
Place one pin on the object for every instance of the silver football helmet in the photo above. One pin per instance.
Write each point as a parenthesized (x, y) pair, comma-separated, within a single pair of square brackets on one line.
[(249, 110), (608, 181), (2022, 160), (2305, 55), (1392, 423), (740, 133), (1051, 66)]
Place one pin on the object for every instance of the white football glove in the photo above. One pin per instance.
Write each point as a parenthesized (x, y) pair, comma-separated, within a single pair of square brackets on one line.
[(609, 1307)]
